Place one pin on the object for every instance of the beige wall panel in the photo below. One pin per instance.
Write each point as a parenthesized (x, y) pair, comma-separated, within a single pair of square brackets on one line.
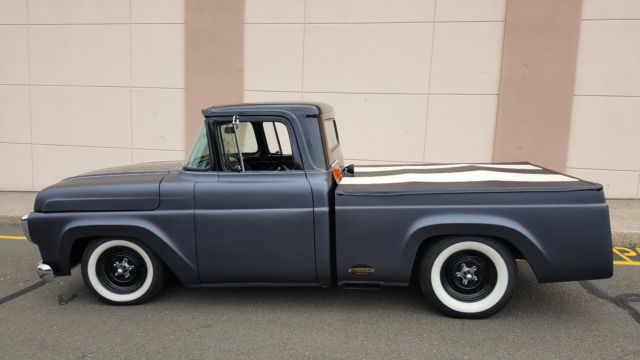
[(157, 11), (268, 96), (52, 163), (610, 9), (466, 58), (345, 11), (78, 11), (80, 55), (379, 127), (460, 128), (14, 54), (273, 57), (158, 119), (604, 133), (608, 58), (158, 55), (471, 10), (15, 163), (15, 122), (142, 156), (89, 116), (13, 11), (274, 11), (367, 58), (617, 184)]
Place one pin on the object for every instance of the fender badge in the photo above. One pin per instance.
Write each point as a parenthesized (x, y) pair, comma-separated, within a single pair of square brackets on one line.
[(361, 269)]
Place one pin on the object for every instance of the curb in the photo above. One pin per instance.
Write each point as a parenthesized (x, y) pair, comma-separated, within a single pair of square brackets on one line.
[(9, 220), (622, 238)]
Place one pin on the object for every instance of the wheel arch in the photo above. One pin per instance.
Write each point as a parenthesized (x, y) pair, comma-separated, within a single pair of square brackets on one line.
[(515, 237), (76, 238)]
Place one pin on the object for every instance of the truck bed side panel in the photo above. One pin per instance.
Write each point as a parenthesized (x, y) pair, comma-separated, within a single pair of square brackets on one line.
[(564, 235)]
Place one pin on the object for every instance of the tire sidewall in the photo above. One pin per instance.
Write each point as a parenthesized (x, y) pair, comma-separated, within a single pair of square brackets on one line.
[(431, 284), (152, 281)]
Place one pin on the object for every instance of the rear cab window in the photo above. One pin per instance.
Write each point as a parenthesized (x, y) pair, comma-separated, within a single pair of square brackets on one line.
[(331, 134)]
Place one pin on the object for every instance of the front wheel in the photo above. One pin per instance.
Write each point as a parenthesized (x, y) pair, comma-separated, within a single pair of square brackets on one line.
[(468, 277), (121, 272)]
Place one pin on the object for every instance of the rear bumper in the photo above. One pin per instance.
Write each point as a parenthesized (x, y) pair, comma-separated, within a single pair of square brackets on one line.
[(45, 272), (24, 223)]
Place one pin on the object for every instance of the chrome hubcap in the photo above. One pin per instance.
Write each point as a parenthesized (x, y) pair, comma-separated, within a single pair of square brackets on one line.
[(122, 269), (467, 274)]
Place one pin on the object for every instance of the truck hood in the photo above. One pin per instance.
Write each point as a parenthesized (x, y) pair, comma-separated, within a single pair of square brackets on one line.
[(126, 188)]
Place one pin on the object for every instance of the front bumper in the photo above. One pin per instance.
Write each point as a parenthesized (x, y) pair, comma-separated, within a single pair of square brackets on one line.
[(45, 272)]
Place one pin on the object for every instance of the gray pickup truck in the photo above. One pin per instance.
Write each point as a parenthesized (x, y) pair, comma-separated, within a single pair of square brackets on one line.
[(264, 199)]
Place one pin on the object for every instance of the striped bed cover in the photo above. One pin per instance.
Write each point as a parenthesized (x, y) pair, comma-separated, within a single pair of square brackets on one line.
[(412, 178)]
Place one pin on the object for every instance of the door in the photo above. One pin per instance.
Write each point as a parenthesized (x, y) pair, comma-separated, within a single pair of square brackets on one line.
[(255, 224)]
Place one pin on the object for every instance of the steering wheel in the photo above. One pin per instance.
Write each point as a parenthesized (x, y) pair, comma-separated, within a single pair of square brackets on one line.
[(233, 161)]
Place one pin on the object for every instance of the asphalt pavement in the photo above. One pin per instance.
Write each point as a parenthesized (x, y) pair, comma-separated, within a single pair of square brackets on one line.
[(61, 320)]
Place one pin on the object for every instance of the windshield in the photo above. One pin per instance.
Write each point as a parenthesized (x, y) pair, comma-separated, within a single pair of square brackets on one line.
[(200, 157)]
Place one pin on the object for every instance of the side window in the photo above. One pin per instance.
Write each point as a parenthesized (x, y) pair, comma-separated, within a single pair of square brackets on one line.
[(264, 146), (246, 140), (200, 158), (277, 138)]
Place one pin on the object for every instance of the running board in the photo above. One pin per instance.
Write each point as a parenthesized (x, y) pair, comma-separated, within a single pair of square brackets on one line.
[(357, 285)]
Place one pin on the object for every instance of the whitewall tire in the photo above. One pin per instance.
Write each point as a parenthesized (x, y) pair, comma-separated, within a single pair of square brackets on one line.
[(468, 277), (121, 272)]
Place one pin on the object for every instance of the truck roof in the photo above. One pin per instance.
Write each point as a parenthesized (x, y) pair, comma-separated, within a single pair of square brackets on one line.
[(311, 108)]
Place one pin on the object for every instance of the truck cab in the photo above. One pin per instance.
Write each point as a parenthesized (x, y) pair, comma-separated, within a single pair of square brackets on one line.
[(270, 172)]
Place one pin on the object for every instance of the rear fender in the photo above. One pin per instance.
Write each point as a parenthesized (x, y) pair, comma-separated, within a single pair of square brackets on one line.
[(427, 229)]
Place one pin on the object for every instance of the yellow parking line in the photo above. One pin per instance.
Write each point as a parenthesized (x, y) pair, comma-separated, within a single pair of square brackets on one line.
[(627, 263), (627, 255), (7, 237)]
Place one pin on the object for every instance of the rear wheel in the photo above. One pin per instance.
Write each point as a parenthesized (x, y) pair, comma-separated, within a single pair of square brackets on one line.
[(121, 272), (468, 277)]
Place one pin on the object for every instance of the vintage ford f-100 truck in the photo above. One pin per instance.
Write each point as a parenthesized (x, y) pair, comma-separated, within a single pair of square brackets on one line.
[(264, 199)]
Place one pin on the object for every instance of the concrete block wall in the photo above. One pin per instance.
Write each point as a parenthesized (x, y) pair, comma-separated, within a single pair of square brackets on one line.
[(405, 77), (86, 84)]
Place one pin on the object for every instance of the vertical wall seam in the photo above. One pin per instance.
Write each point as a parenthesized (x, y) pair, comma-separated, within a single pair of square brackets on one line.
[(495, 124), (131, 80), (29, 94), (426, 122), (304, 42)]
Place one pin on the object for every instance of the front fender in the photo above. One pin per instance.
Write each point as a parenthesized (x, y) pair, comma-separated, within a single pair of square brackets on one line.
[(178, 253)]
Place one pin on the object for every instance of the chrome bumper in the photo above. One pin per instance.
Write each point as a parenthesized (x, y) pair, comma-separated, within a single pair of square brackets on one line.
[(24, 223), (45, 272)]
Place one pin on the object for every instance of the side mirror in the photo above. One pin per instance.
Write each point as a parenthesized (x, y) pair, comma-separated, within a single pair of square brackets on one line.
[(348, 170)]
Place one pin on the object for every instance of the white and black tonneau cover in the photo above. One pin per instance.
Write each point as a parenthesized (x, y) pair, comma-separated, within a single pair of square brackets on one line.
[(434, 178)]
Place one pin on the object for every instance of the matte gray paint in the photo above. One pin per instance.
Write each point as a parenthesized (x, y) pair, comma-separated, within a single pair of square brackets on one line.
[(214, 228)]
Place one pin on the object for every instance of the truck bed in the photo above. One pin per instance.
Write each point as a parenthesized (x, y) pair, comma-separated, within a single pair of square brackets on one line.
[(386, 214), (433, 178)]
